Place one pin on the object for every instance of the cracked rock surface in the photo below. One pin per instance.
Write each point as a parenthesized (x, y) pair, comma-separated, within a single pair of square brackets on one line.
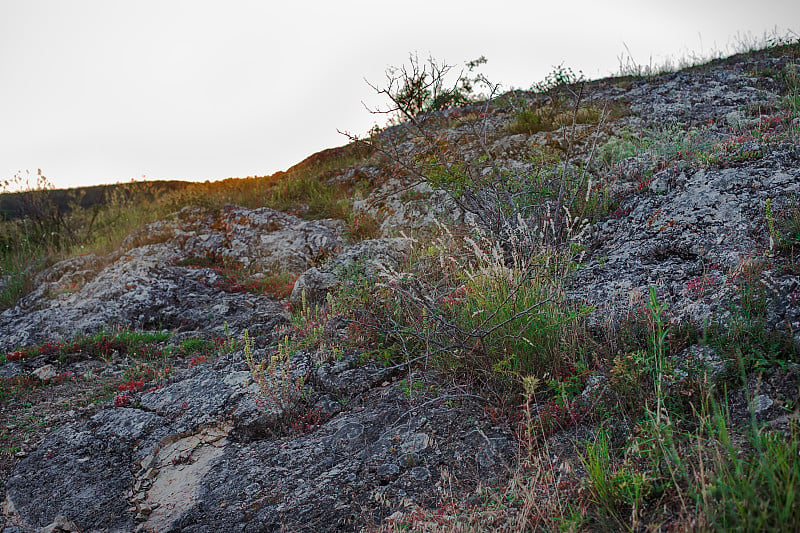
[(196, 454), (199, 452)]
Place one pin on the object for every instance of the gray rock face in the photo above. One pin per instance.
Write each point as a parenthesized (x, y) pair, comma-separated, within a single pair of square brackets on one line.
[(143, 287), (403, 208), (312, 287), (689, 235), (366, 256), (696, 97), (262, 238), (88, 467), (347, 464), (189, 455)]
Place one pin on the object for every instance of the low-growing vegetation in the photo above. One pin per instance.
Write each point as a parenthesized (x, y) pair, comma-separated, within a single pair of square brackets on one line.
[(45, 232), (648, 437), (88, 371), (103, 344), (238, 278)]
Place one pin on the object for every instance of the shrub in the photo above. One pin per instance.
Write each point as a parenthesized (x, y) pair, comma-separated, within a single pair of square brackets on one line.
[(528, 120), (551, 117), (553, 202), (468, 305), (421, 87)]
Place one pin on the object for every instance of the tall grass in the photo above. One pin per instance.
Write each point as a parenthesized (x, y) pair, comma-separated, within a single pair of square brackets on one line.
[(774, 42), (47, 234), (754, 477), (467, 304)]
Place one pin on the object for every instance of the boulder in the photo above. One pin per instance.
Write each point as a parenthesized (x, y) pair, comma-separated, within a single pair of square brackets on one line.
[(45, 373), (364, 259)]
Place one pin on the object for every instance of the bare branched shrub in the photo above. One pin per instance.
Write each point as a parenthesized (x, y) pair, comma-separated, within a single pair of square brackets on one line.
[(422, 87), (553, 198), (468, 304)]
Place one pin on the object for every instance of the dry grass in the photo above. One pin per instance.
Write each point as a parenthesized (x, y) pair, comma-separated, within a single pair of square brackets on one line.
[(305, 189)]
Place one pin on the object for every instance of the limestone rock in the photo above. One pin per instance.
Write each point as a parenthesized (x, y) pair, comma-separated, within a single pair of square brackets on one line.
[(369, 257), (690, 243), (143, 286), (312, 287), (45, 373), (182, 457)]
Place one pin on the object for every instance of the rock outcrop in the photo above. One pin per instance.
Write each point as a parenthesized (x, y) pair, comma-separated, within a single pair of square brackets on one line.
[(198, 454), (157, 280), (200, 451), (691, 235)]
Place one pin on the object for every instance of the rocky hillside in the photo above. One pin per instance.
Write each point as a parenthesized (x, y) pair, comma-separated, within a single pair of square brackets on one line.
[(571, 307)]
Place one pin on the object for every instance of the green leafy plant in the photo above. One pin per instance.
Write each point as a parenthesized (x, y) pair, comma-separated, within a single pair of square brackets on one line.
[(790, 227), (195, 346), (659, 344), (626, 378), (560, 81), (783, 227)]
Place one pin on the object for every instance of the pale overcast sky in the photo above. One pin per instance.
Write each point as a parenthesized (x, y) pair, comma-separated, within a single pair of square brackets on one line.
[(101, 91)]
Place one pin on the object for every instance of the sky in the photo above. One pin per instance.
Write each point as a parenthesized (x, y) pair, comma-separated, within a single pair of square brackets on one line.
[(106, 91)]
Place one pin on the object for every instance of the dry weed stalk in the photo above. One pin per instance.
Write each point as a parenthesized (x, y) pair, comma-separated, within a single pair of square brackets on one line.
[(279, 393)]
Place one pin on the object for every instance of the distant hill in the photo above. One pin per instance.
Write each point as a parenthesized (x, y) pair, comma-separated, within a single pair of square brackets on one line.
[(13, 205)]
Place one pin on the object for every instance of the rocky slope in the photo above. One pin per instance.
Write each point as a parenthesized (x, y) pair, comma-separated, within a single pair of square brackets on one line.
[(203, 450)]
